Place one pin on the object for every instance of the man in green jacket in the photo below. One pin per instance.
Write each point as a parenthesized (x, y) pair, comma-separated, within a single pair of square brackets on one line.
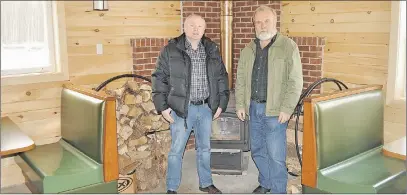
[(268, 86)]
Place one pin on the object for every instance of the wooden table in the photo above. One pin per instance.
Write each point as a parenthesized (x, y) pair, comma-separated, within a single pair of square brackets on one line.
[(13, 140), (396, 149)]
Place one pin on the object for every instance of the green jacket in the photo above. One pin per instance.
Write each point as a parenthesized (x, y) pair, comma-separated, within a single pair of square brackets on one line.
[(285, 81)]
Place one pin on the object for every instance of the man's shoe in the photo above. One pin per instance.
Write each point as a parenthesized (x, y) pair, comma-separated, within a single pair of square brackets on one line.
[(211, 190), (260, 190), (171, 192)]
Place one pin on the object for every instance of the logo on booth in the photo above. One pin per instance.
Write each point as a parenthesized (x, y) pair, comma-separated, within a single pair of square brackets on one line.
[(123, 183)]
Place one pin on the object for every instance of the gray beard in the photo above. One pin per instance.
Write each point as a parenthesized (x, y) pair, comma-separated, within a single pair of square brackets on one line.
[(265, 36)]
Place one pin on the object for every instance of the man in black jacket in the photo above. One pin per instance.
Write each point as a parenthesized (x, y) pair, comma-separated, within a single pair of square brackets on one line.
[(190, 89)]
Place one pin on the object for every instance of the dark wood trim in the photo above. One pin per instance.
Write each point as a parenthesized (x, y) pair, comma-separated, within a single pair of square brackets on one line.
[(343, 93), (110, 156), (309, 152), (88, 92)]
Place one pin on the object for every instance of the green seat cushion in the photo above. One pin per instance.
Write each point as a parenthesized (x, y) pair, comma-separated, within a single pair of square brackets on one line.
[(59, 167), (369, 172)]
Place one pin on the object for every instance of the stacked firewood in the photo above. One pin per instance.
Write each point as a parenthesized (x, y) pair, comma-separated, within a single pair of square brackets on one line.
[(143, 136)]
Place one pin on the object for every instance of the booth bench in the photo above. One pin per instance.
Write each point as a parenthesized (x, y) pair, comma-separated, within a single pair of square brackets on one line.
[(85, 159), (343, 141)]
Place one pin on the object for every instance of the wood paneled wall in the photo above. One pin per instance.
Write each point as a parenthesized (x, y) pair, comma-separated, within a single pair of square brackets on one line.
[(36, 107), (357, 36), (357, 44)]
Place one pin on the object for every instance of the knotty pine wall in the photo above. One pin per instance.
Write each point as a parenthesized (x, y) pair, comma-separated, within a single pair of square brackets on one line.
[(36, 107), (356, 51)]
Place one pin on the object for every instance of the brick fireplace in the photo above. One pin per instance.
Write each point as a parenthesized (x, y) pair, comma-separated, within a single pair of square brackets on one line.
[(146, 50)]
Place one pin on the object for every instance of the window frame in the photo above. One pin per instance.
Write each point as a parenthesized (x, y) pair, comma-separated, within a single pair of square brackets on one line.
[(59, 72), (396, 52)]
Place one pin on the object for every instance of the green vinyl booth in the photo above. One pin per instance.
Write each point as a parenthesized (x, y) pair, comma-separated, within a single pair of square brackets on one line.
[(85, 159), (342, 145)]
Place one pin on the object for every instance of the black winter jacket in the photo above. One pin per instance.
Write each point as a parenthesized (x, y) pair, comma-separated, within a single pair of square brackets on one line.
[(172, 77)]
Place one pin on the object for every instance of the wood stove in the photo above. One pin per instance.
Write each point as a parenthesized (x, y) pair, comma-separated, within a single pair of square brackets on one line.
[(228, 132), (229, 139)]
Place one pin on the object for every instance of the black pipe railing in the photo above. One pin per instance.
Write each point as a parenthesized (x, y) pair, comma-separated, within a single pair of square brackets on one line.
[(119, 77)]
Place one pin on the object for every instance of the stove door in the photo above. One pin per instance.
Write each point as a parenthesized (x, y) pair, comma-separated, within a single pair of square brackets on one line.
[(226, 127)]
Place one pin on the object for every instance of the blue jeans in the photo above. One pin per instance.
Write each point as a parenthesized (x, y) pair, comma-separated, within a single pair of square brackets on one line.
[(199, 118), (268, 148)]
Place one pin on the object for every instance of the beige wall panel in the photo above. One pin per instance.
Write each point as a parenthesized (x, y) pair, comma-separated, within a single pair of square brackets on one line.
[(38, 114)]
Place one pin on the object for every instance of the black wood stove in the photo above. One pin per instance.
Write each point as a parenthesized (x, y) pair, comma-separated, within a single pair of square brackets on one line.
[(229, 139)]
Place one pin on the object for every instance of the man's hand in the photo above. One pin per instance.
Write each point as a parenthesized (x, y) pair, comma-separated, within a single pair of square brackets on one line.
[(283, 117), (217, 113), (241, 114), (167, 116)]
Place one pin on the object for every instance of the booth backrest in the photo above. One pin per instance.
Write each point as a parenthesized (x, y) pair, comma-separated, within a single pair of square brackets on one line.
[(88, 122), (82, 123), (338, 126), (347, 126)]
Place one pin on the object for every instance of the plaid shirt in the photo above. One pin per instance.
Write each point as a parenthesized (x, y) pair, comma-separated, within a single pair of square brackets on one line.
[(199, 81)]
